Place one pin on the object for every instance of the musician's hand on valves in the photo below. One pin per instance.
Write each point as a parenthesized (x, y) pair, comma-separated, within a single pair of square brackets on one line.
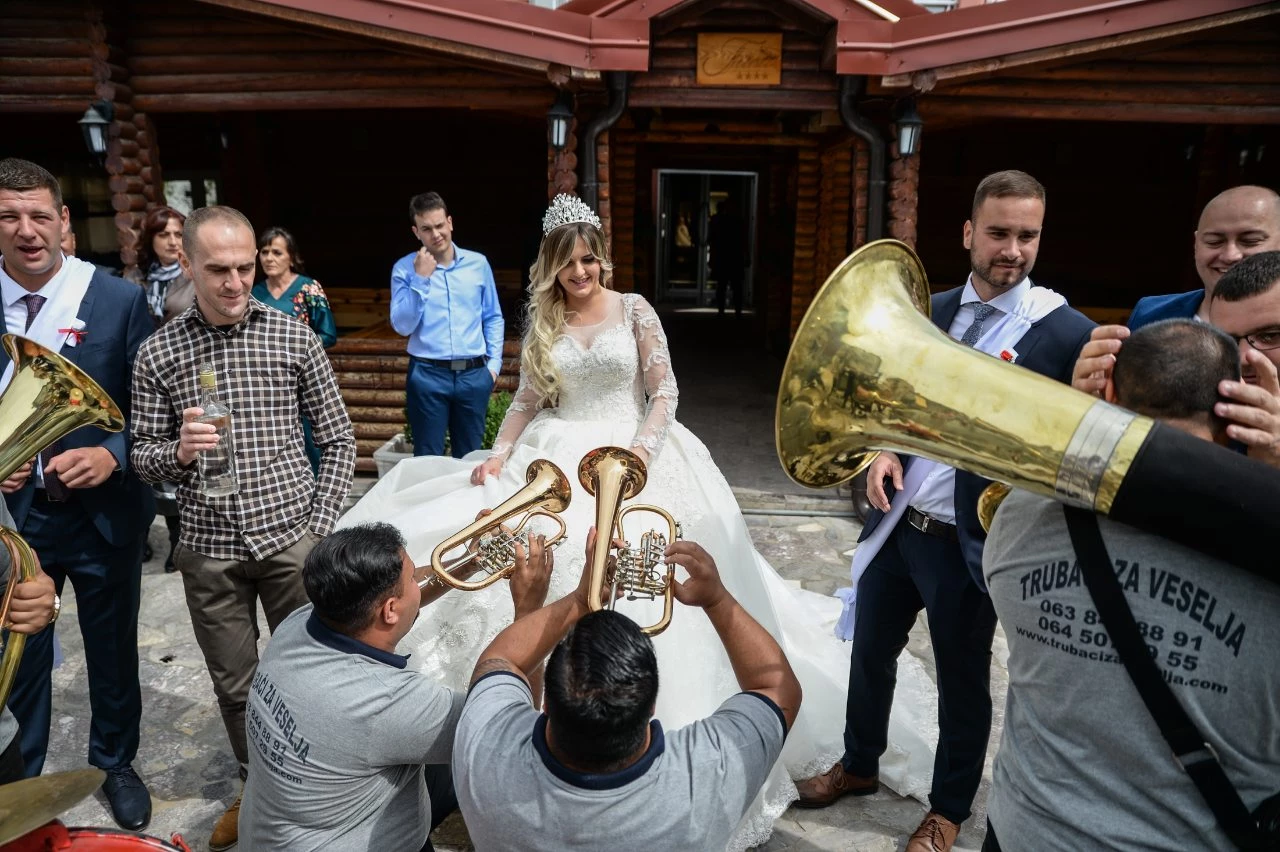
[(532, 575), (195, 437), (1093, 367), (887, 465), (703, 587), (16, 480), (583, 592), (491, 466), (1253, 411)]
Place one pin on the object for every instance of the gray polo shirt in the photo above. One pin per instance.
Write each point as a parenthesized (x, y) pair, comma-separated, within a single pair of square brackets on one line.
[(338, 735), (1082, 764), (8, 724), (688, 791)]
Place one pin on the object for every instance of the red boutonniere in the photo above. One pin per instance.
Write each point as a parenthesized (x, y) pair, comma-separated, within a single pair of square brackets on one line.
[(1009, 355), (77, 334)]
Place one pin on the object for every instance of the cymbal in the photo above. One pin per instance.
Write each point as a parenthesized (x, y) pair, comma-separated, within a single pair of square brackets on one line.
[(28, 804)]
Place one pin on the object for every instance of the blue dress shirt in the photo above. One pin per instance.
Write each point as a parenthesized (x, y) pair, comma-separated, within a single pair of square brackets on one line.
[(452, 314)]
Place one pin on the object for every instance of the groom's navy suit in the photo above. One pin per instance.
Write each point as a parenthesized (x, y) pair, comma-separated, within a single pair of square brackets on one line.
[(94, 538), (913, 570)]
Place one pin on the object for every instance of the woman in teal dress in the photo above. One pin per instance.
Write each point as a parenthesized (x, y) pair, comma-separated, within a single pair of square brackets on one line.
[(286, 289)]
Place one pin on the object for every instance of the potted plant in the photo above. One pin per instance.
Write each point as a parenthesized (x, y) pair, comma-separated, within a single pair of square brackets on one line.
[(401, 446)]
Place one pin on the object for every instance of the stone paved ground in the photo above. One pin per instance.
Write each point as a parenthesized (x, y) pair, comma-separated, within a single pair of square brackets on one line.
[(186, 762)]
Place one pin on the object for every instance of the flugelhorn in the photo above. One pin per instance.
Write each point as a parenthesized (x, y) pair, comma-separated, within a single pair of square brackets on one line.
[(47, 398), (611, 475), (546, 494), (867, 371)]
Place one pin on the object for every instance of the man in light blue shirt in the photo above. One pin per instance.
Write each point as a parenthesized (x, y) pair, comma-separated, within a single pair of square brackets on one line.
[(443, 298)]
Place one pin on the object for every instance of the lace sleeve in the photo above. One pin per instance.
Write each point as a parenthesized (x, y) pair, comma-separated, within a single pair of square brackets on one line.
[(524, 405), (659, 380)]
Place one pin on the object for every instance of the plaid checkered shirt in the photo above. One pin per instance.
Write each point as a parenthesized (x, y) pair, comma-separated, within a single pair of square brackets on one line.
[(271, 371)]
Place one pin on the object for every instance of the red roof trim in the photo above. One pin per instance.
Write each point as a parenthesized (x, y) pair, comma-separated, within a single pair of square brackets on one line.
[(838, 10)]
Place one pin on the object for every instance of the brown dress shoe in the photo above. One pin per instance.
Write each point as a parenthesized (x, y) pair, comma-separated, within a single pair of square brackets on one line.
[(226, 831), (935, 834), (821, 790)]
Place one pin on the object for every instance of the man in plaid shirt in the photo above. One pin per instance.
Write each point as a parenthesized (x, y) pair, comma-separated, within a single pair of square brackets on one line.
[(271, 371)]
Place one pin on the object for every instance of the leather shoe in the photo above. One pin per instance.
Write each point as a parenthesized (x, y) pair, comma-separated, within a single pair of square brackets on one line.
[(226, 831), (935, 834), (822, 790), (130, 802)]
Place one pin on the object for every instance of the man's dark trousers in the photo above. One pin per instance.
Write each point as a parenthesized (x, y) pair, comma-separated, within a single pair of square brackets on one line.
[(107, 582), (911, 571), (441, 398)]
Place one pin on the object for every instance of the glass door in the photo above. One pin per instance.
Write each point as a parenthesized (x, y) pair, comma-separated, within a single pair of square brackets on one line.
[(706, 237)]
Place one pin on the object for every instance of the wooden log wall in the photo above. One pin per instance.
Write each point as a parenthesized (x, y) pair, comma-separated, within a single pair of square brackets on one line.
[(835, 203), (805, 256), (188, 57), (47, 56), (371, 368), (622, 210), (672, 76), (1226, 75), (562, 166)]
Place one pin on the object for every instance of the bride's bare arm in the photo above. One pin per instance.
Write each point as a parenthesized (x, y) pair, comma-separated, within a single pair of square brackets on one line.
[(659, 379)]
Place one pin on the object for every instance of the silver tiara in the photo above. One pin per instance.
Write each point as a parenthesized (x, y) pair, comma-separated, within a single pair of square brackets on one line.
[(567, 209)]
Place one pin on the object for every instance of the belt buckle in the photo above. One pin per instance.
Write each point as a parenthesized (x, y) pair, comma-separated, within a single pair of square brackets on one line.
[(458, 364), (924, 522)]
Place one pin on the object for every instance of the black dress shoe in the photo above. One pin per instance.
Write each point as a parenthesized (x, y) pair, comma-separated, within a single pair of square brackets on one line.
[(130, 802)]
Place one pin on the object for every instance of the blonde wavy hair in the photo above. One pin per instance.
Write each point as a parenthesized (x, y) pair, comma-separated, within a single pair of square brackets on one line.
[(545, 311)]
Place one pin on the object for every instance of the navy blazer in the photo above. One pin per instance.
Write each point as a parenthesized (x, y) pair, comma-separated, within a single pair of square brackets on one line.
[(1050, 347), (1155, 308), (115, 324)]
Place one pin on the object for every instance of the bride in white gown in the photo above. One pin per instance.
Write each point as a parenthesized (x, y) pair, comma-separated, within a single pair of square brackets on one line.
[(602, 358)]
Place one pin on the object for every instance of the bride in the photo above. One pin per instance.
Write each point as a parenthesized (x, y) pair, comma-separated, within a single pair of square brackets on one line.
[(595, 371)]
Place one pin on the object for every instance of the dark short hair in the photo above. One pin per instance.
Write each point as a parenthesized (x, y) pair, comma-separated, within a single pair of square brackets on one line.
[(290, 245), (352, 572), (1010, 183), (1253, 276), (155, 223), (601, 682), (1171, 370), (425, 202), (203, 215), (23, 175)]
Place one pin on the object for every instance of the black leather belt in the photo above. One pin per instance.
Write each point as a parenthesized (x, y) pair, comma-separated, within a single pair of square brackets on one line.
[(456, 364), (931, 526)]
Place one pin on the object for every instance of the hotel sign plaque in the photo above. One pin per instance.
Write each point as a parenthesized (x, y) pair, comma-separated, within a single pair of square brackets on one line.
[(739, 59)]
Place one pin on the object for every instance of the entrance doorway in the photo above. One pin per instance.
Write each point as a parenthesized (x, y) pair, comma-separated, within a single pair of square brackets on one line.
[(706, 237)]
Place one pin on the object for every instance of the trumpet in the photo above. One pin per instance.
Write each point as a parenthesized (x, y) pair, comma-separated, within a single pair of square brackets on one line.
[(611, 475), (491, 545)]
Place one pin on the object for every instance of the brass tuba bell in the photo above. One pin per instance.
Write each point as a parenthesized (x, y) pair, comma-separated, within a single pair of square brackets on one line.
[(546, 493), (868, 371), (48, 398), (611, 475)]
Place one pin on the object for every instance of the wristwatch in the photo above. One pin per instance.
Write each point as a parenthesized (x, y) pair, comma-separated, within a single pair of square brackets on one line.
[(57, 610)]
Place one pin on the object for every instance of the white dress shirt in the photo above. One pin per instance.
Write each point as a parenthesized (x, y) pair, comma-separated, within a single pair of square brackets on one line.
[(15, 310), (936, 497)]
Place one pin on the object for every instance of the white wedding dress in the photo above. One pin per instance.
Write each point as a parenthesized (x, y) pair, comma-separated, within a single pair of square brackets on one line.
[(618, 389)]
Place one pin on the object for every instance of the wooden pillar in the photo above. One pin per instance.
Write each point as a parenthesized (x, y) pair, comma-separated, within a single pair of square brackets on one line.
[(904, 195), (604, 195), (562, 166), (861, 186), (124, 161), (622, 211), (803, 267)]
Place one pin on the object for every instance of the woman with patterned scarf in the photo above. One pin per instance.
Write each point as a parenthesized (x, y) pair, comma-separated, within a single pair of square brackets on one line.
[(169, 291)]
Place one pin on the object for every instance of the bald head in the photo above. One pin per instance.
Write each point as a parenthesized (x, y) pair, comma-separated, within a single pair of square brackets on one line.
[(1237, 223)]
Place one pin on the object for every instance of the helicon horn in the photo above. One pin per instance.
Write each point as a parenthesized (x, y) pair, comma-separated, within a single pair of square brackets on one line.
[(47, 398), (868, 371)]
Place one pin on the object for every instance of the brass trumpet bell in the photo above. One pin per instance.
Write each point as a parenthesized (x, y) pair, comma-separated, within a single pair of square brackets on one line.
[(47, 398), (611, 475), (868, 371), (546, 493)]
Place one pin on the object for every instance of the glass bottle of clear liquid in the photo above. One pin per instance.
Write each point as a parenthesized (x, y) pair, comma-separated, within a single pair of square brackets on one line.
[(218, 465)]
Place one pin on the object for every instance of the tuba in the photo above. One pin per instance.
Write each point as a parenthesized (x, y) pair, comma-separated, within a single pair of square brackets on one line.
[(47, 398), (867, 371), (546, 493), (611, 475)]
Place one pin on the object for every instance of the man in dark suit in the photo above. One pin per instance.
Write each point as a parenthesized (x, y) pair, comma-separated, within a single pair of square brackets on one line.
[(928, 554), (1235, 224), (79, 506)]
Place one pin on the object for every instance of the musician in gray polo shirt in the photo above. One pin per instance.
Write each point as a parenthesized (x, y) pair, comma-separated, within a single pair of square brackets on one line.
[(596, 771), (348, 749)]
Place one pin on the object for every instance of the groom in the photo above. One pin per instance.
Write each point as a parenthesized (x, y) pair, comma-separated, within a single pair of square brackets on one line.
[(923, 547)]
